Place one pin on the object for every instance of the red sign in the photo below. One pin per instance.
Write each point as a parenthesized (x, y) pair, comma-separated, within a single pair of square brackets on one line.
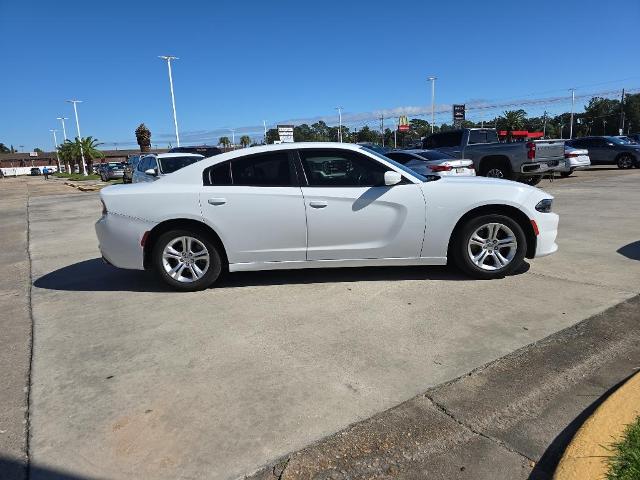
[(403, 128)]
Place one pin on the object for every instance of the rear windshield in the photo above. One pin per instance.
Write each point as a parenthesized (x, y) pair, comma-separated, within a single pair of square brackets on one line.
[(444, 139), (482, 136), (171, 164), (434, 155)]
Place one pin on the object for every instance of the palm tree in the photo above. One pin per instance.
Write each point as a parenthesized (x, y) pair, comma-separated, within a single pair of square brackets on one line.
[(143, 137), (224, 141), (67, 154), (513, 120), (245, 140), (70, 152), (91, 152)]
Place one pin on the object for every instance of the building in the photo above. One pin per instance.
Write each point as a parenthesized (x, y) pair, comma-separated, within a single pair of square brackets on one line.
[(45, 159)]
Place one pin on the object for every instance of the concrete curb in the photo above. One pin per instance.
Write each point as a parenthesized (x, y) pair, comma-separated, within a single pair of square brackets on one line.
[(586, 456)]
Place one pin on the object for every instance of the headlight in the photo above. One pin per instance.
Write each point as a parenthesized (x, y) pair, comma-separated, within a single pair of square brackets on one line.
[(544, 206)]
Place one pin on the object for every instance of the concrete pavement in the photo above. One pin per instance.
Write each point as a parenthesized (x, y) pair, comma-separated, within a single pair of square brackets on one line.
[(132, 380)]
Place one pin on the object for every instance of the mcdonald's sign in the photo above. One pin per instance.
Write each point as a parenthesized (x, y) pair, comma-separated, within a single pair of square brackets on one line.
[(403, 124)]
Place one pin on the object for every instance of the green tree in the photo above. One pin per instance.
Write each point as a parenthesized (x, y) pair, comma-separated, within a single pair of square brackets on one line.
[(225, 142), (4, 148), (365, 134), (272, 135), (39, 150), (245, 141), (143, 137), (512, 120), (71, 153)]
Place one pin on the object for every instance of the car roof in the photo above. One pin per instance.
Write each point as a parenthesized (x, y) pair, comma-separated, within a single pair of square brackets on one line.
[(176, 154)]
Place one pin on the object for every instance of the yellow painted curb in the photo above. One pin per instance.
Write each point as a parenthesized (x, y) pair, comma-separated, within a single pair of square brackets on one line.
[(586, 456)]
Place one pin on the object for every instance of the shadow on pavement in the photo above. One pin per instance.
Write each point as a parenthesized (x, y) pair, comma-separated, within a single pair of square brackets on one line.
[(96, 276), (547, 464), (631, 250), (12, 469)]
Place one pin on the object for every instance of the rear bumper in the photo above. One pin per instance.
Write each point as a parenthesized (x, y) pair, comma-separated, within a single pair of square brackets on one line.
[(537, 168), (548, 231), (119, 238)]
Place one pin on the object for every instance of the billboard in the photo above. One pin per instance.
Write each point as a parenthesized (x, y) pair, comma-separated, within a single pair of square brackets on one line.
[(458, 115), (403, 124), (285, 132)]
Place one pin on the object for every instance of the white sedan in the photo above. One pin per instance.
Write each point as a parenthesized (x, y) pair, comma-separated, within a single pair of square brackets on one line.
[(575, 159), (317, 205), (432, 162)]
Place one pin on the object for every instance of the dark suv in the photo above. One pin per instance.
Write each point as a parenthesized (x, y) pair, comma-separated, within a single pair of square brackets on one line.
[(205, 150), (609, 151)]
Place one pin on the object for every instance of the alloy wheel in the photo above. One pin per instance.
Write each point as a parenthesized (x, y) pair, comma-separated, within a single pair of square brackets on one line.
[(185, 259), (492, 246), (495, 173)]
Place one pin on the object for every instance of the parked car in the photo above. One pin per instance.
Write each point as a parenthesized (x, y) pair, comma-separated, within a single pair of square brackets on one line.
[(523, 161), (205, 150), (129, 167), (318, 205), (609, 151), (635, 137), (432, 162), (574, 159), (375, 147), (111, 171), (153, 166), (35, 171)]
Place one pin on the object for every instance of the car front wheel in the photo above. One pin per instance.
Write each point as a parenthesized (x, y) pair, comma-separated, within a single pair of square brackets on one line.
[(625, 161), (186, 260), (489, 246)]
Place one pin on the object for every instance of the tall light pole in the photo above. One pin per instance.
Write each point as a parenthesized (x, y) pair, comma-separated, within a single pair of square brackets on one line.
[(264, 124), (168, 58), (64, 130), (75, 111), (233, 137), (433, 100), (573, 101), (339, 123), (55, 146)]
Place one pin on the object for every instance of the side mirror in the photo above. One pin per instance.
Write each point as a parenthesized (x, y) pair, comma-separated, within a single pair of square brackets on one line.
[(392, 178), (152, 171)]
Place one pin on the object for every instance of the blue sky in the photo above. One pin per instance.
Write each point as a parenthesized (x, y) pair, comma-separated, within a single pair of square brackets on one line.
[(244, 62)]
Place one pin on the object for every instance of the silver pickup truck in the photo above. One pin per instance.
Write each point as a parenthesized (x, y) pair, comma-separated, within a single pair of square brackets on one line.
[(523, 161)]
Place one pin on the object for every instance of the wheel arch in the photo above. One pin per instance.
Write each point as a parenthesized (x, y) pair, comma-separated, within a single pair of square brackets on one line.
[(494, 159), (622, 154), (175, 223), (513, 212)]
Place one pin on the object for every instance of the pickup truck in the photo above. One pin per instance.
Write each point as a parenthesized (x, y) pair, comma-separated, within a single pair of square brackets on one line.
[(522, 161)]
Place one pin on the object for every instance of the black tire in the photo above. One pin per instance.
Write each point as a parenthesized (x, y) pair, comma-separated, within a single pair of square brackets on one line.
[(210, 275), (625, 160), (495, 169), (531, 179), (566, 174), (460, 250)]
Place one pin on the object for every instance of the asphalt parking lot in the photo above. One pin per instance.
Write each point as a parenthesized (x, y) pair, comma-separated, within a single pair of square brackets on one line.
[(132, 380)]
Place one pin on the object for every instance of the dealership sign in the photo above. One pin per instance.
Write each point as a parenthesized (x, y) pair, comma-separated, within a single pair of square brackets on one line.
[(458, 115), (403, 124), (285, 132)]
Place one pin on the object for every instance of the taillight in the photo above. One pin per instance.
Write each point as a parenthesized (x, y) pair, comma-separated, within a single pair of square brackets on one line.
[(441, 168), (531, 150), (570, 155)]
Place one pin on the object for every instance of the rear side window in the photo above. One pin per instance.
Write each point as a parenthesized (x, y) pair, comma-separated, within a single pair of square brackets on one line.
[(218, 174), (263, 170), (482, 136)]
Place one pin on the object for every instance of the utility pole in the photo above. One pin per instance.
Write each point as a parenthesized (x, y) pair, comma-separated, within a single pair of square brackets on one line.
[(264, 124), (433, 100), (573, 101), (168, 58), (55, 146), (395, 133), (622, 113), (75, 110), (544, 125), (561, 127), (339, 123), (233, 137), (382, 127), (64, 130)]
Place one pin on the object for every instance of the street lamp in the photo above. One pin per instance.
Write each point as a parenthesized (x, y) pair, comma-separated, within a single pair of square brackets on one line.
[(433, 100), (55, 146), (64, 130), (75, 111), (573, 101), (168, 58), (339, 123)]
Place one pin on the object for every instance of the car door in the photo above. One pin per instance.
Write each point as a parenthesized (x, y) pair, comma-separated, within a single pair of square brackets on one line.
[(255, 204), (351, 214), (598, 150)]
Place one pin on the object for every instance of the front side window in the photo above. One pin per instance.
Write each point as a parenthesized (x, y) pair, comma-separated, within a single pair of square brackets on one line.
[(271, 169), (143, 164), (339, 168)]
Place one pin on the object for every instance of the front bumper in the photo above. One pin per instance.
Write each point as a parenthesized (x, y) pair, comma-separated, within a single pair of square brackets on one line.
[(548, 231), (119, 237)]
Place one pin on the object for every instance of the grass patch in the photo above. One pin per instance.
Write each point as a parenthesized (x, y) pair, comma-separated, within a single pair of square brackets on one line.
[(76, 176), (625, 463)]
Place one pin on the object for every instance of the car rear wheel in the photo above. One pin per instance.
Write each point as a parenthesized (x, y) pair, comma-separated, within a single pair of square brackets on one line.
[(186, 260), (566, 174), (490, 246), (625, 161)]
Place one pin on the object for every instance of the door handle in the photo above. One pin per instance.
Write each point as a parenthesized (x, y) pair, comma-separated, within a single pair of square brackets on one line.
[(318, 204), (217, 201)]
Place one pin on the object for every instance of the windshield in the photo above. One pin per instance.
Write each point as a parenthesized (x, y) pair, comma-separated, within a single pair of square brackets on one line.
[(434, 155), (171, 164), (396, 164)]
